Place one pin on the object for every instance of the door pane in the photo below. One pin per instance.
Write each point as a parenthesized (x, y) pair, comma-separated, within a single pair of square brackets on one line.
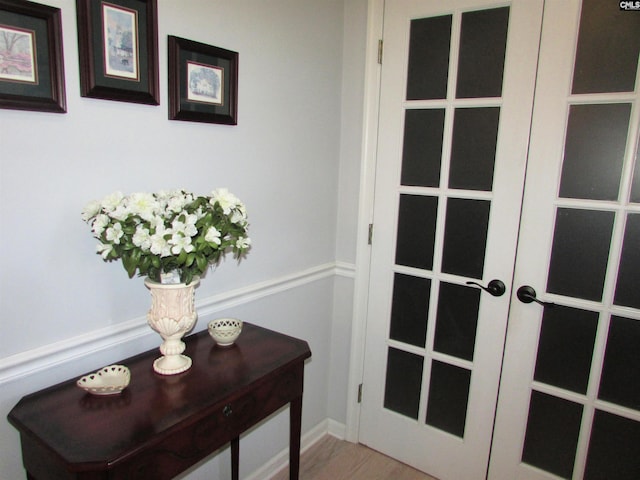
[(416, 231), (429, 41), (403, 380), (621, 369), (594, 151), (614, 449), (552, 434), (465, 237), (565, 347), (448, 395), (483, 43), (608, 48), (422, 147), (473, 151), (580, 252), (409, 309), (457, 320), (628, 289)]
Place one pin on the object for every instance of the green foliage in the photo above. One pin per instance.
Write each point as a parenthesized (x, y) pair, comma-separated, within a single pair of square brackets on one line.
[(157, 233)]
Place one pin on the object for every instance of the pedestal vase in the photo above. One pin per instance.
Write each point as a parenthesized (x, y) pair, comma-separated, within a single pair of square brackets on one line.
[(172, 315)]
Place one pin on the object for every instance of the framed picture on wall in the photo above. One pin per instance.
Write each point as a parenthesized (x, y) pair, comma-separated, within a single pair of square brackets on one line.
[(31, 59), (203, 82), (118, 49)]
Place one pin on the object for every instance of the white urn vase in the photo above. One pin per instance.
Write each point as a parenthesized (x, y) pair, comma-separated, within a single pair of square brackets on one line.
[(172, 314)]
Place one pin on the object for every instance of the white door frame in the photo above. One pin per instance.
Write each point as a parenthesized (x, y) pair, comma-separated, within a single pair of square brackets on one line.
[(375, 18)]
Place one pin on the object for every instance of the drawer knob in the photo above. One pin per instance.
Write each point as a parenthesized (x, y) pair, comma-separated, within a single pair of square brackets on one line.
[(226, 411)]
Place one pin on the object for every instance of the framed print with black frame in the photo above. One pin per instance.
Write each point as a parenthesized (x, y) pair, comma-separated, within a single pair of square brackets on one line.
[(118, 49), (31, 59), (203, 82)]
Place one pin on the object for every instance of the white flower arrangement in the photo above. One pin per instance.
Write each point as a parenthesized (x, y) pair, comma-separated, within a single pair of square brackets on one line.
[(170, 231)]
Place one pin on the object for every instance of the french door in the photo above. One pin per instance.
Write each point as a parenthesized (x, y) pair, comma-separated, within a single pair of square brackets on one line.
[(454, 241)]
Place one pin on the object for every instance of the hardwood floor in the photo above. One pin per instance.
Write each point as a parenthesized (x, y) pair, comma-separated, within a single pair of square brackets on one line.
[(333, 459)]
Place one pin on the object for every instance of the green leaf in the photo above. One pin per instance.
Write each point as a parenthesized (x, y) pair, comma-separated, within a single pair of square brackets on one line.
[(143, 265), (202, 263), (129, 229), (130, 264)]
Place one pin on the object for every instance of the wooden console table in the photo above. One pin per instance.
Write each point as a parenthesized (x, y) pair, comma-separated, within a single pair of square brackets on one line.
[(161, 425)]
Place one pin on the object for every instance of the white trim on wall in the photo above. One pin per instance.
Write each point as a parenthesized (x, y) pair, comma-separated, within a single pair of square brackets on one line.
[(45, 357)]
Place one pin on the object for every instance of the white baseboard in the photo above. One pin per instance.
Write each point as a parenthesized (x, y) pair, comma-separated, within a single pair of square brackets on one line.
[(281, 460), (336, 429), (47, 356)]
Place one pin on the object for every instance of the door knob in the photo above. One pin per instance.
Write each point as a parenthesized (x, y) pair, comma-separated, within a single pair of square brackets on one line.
[(495, 287), (527, 294)]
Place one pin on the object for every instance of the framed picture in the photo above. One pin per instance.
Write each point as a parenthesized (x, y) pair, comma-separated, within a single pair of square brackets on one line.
[(203, 82), (118, 48), (31, 60)]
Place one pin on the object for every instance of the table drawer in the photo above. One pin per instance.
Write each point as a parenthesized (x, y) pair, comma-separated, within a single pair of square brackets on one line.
[(225, 421)]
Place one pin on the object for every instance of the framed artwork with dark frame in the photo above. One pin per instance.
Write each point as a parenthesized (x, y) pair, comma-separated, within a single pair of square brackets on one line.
[(31, 59), (203, 82), (118, 49)]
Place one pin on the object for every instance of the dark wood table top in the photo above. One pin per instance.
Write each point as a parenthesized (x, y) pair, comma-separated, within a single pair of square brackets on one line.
[(85, 429)]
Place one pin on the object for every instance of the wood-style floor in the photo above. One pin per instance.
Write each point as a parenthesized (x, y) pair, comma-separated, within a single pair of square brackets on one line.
[(333, 459)]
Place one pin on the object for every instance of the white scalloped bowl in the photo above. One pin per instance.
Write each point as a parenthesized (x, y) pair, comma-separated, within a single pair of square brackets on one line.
[(225, 331), (109, 380)]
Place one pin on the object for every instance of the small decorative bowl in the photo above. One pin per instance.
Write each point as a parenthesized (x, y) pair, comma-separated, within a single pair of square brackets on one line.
[(225, 331), (109, 380)]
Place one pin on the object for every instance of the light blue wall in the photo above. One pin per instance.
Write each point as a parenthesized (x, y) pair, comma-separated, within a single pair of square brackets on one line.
[(293, 159)]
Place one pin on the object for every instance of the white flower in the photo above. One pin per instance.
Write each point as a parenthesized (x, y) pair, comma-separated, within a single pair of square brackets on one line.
[(157, 224), (179, 242), (99, 224), (190, 224), (164, 194), (213, 236), (104, 249), (111, 201), (142, 238), (225, 199), (199, 213), (121, 212), (175, 204), (239, 217), (178, 200), (185, 224), (143, 204), (115, 233), (159, 245), (90, 210), (243, 243)]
